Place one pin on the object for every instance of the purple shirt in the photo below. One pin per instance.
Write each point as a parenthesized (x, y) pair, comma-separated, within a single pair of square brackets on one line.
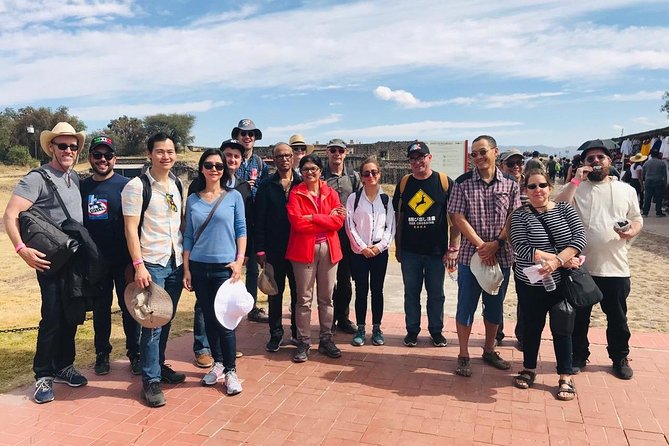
[(486, 208)]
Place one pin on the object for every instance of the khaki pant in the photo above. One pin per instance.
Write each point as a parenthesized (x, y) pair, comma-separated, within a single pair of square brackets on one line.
[(322, 272)]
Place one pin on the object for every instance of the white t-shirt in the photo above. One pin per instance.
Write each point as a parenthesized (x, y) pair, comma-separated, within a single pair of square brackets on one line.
[(634, 171)]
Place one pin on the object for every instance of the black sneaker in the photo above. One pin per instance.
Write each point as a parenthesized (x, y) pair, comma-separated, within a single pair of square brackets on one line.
[(273, 344), (302, 354), (152, 394), (44, 390), (328, 348), (101, 364), (411, 339), (347, 326), (70, 376), (438, 340), (135, 365), (622, 369), (169, 376), (661, 215), (258, 315)]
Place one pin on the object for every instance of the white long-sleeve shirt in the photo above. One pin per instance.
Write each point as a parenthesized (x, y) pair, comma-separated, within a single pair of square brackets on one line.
[(369, 223)]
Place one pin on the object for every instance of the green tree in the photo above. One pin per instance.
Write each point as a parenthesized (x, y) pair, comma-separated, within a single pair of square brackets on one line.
[(665, 105), (129, 135), (177, 125), (18, 156)]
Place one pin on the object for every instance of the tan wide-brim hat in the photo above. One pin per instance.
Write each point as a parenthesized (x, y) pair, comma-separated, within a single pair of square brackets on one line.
[(298, 140), (638, 158), (151, 307), (61, 129)]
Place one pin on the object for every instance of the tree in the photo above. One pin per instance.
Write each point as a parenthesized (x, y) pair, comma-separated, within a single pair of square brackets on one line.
[(665, 106), (129, 135), (178, 126)]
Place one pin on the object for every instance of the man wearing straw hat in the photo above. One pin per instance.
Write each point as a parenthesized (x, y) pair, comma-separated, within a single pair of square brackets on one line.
[(55, 351)]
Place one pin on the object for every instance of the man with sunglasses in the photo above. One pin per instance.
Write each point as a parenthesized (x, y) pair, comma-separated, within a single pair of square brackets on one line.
[(55, 350), (481, 202), (609, 210), (103, 217), (345, 182)]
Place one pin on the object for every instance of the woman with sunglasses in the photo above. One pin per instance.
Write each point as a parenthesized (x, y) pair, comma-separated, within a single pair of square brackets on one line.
[(370, 225), (559, 249), (315, 214), (214, 247)]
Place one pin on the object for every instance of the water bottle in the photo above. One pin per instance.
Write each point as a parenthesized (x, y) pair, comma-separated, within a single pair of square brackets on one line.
[(547, 280), (453, 274)]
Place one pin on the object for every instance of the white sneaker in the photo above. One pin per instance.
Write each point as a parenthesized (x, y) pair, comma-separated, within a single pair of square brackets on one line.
[(214, 375), (232, 383)]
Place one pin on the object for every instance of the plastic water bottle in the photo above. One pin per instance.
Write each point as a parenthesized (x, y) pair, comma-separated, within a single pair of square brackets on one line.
[(547, 280), (453, 274)]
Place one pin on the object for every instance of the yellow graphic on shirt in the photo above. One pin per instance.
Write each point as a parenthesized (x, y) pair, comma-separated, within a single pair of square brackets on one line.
[(420, 202)]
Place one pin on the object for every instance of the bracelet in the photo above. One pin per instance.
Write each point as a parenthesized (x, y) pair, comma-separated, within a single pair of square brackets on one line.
[(575, 181), (19, 247), (560, 260), (260, 253), (137, 262), (453, 249)]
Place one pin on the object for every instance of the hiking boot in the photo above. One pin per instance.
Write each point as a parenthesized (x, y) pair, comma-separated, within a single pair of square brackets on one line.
[(233, 385), (273, 344), (377, 335), (152, 394), (44, 390), (214, 375), (438, 340), (302, 354), (411, 339), (258, 315), (328, 348), (347, 326), (169, 376), (495, 360), (359, 338), (70, 376), (101, 364), (135, 365), (203, 360), (622, 369)]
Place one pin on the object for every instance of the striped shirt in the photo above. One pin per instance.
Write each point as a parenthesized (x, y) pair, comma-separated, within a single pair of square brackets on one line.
[(528, 235), (486, 207)]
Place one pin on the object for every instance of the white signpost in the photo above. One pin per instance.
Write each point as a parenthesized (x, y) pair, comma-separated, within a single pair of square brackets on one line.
[(449, 157)]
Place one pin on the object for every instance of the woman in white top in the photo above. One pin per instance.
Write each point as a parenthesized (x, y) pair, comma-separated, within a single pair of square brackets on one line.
[(636, 175), (370, 224)]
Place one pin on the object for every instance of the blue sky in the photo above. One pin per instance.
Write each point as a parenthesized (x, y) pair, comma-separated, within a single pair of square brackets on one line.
[(550, 72)]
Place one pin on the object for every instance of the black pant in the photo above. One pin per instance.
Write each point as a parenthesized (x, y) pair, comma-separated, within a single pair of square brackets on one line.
[(341, 296), (654, 190), (282, 268), (369, 272), (55, 336), (614, 305)]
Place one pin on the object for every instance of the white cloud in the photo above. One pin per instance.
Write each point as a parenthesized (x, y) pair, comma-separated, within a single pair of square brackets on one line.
[(112, 111), (638, 96), (309, 125), (244, 12), (425, 129), (404, 98)]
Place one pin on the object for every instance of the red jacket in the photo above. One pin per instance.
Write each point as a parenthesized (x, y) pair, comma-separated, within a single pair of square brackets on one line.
[(303, 232)]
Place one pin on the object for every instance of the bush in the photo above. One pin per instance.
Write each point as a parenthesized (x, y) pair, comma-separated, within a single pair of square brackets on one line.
[(18, 156)]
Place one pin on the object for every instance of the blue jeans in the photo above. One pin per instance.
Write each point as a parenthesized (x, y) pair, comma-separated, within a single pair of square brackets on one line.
[(207, 279), (154, 340), (200, 341), (469, 292), (415, 268)]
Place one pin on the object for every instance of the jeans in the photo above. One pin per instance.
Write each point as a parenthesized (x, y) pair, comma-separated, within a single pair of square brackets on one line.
[(154, 340), (536, 302), (366, 272), (207, 279), (469, 292), (282, 269), (55, 337), (654, 190), (341, 296), (102, 320), (614, 305), (251, 271), (415, 268), (200, 341)]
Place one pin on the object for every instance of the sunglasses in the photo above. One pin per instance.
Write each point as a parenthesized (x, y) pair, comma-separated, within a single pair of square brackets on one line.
[(370, 173), (299, 148), (209, 165), (309, 169), (592, 158), (514, 163), (335, 150), (245, 133), (286, 156), (170, 202), (539, 185), (63, 146), (481, 153), (99, 155)]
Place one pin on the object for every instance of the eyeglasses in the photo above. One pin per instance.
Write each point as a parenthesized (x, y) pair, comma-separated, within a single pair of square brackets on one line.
[(336, 149), (539, 185), (209, 165), (299, 148), (413, 159), (370, 173), (285, 156), (514, 163), (63, 146), (170, 202), (309, 169), (99, 155), (480, 152), (245, 133), (592, 158)]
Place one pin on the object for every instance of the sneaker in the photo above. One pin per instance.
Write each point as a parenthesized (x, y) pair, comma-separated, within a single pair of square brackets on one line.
[(328, 348), (214, 375), (359, 338), (273, 344), (661, 215), (377, 336), (70, 376), (495, 360), (411, 339), (101, 364), (169, 376), (294, 341), (203, 360), (44, 390), (302, 354), (152, 394), (135, 365), (622, 369), (258, 315), (347, 326), (233, 385), (438, 340)]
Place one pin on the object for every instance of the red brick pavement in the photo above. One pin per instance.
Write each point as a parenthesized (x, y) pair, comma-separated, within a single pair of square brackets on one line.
[(383, 395)]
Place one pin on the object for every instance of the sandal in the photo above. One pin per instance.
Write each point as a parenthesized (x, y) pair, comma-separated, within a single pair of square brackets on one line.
[(525, 379), (566, 390), (464, 368)]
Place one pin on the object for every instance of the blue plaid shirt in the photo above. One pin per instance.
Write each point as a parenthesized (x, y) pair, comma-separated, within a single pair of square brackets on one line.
[(244, 171)]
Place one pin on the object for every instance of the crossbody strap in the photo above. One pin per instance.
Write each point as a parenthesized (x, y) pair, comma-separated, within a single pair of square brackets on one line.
[(543, 223), (54, 188), (209, 217)]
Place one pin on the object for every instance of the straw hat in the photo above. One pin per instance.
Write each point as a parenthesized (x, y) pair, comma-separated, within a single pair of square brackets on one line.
[(232, 303), (298, 140), (151, 307), (266, 282), (61, 129), (638, 158)]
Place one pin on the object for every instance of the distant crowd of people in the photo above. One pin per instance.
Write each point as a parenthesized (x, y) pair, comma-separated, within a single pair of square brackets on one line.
[(321, 226)]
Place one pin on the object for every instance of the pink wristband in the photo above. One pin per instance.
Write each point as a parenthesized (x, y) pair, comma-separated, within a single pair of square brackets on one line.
[(19, 247), (240, 256), (260, 253), (575, 181), (137, 262)]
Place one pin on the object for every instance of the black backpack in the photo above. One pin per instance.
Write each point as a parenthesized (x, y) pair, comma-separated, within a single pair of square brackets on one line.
[(384, 199)]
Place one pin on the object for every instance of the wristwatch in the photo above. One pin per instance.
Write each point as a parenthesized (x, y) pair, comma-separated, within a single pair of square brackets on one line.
[(501, 242)]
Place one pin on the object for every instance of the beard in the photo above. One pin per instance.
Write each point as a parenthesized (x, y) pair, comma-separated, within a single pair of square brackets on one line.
[(598, 174), (102, 172)]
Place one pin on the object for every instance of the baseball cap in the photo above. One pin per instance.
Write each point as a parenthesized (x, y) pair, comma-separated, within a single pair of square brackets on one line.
[(418, 147), (102, 140), (336, 143)]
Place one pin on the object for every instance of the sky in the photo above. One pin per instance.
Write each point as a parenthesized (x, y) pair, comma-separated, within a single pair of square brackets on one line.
[(528, 72)]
